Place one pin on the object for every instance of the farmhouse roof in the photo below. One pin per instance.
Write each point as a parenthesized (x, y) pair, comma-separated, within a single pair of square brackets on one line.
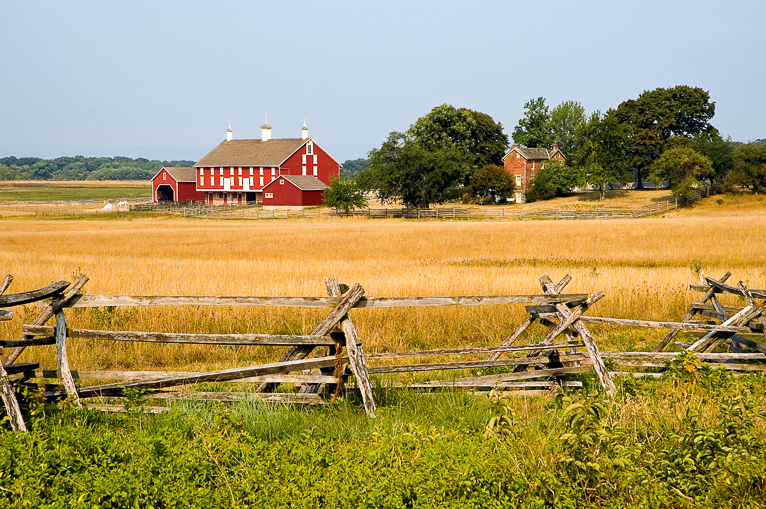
[(535, 153), (180, 173), (251, 152), (302, 182)]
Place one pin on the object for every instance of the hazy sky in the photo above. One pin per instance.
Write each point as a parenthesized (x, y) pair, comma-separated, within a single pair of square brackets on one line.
[(162, 79)]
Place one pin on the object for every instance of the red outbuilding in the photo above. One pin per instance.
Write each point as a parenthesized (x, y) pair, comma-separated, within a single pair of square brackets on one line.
[(293, 191), (176, 183)]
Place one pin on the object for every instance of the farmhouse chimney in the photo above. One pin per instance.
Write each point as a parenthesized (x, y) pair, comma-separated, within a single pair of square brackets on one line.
[(229, 134), (304, 131), (265, 132), (555, 147)]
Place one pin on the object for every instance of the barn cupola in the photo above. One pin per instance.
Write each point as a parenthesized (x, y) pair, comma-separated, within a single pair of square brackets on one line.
[(304, 132), (265, 132), (229, 134)]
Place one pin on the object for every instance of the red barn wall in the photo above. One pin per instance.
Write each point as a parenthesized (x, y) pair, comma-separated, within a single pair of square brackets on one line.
[(326, 166), (187, 191)]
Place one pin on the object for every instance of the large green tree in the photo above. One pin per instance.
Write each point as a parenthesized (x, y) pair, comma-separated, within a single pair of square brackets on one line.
[(534, 128), (402, 169), (554, 179), (344, 194), (660, 114), (683, 169), (749, 167), (566, 121), (602, 158), (490, 182), (472, 133)]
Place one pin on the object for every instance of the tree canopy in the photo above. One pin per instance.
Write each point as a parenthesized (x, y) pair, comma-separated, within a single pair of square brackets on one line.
[(683, 168), (490, 182), (534, 128), (660, 114), (749, 167), (344, 194), (566, 121), (602, 158), (402, 169), (554, 179), (472, 133)]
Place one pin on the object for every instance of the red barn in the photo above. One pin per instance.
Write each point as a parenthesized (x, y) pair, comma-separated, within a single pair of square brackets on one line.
[(523, 163), (293, 191), (176, 183), (237, 171)]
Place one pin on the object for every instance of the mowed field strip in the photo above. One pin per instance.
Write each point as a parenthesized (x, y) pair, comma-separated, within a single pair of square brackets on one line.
[(642, 265)]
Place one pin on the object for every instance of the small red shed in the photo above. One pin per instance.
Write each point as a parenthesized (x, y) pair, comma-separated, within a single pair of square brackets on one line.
[(293, 191), (176, 183)]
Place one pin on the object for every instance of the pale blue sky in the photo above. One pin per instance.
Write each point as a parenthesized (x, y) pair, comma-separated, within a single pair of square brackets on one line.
[(162, 79)]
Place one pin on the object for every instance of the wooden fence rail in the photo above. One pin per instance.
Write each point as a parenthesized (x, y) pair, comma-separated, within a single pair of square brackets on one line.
[(568, 347)]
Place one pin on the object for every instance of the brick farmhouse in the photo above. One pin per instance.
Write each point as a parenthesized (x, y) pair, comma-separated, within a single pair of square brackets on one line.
[(524, 163)]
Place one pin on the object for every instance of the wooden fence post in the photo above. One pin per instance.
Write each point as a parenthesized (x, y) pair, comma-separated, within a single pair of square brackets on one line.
[(6, 391), (356, 357), (64, 372)]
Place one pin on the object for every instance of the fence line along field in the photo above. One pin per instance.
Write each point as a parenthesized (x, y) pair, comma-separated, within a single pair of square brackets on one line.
[(643, 266)]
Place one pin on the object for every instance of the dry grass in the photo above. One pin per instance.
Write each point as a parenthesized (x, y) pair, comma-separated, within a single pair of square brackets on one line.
[(643, 266)]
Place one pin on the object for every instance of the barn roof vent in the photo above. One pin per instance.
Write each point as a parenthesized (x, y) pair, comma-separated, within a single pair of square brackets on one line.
[(266, 131), (304, 131), (229, 134)]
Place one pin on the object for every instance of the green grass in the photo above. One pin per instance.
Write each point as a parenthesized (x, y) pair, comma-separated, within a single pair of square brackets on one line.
[(683, 441), (11, 191)]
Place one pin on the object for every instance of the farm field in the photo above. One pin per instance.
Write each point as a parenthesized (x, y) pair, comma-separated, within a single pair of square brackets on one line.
[(695, 438), (644, 267), (18, 190)]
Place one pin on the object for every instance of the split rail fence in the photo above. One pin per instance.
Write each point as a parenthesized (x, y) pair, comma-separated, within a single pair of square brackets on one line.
[(568, 347)]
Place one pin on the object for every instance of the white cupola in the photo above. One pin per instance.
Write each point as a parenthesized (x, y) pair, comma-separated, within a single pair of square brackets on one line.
[(265, 132), (304, 131), (229, 134)]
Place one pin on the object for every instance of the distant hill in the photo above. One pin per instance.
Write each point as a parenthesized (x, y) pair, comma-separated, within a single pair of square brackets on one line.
[(352, 166), (82, 168)]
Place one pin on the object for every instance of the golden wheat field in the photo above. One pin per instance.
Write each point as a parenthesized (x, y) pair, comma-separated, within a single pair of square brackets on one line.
[(644, 266)]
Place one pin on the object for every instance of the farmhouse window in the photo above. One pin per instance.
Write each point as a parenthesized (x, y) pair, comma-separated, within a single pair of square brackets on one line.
[(518, 180)]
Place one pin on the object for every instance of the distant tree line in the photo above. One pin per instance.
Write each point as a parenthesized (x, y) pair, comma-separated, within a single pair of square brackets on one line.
[(82, 168)]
